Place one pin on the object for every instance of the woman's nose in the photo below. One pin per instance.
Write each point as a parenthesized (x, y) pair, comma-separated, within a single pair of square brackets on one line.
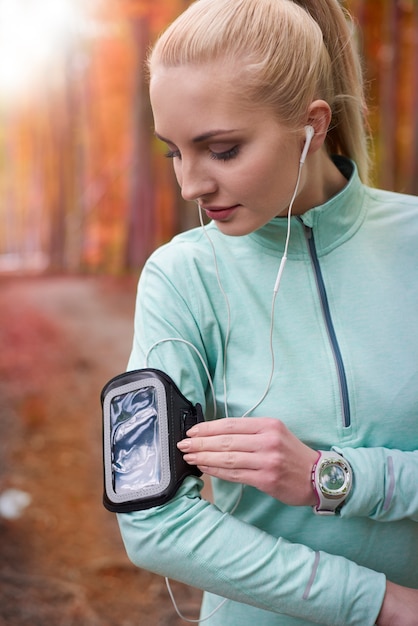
[(194, 180)]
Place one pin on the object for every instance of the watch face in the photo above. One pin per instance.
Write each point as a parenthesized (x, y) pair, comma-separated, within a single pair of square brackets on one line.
[(332, 479)]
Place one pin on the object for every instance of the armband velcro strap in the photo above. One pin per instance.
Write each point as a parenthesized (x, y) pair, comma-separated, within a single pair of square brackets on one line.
[(144, 416)]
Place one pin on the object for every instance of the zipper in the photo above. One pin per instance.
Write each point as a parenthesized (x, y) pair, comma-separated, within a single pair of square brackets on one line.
[(342, 379)]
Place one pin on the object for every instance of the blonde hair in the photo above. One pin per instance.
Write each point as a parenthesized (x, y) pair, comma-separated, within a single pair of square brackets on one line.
[(290, 53)]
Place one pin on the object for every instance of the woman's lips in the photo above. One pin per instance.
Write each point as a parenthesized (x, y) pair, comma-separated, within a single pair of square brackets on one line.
[(220, 213)]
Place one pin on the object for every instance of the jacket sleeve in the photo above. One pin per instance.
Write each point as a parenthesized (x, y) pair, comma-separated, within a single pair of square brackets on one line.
[(190, 540), (385, 484)]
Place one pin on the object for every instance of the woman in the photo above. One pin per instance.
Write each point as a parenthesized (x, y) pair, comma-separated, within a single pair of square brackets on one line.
[(299, 298)]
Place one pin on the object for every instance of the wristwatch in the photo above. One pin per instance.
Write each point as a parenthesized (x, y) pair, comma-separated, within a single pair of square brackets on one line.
[(332, 479)]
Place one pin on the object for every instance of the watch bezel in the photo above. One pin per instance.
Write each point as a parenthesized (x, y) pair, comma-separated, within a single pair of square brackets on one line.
[(344, 490)]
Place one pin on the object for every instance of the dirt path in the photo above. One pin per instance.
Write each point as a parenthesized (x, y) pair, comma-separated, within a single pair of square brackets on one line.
[(62, 562)]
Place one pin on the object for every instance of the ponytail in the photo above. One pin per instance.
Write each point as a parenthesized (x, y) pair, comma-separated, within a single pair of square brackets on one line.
[(348, 130)]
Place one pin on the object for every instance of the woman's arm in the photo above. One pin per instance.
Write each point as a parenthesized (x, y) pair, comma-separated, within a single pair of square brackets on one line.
[(263, 453), (191, 540)]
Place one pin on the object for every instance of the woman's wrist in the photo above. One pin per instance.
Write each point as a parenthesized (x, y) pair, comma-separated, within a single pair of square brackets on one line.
[(400, 606)]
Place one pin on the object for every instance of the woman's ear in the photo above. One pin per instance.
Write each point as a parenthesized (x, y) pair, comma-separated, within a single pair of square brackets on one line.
[(319, 117)]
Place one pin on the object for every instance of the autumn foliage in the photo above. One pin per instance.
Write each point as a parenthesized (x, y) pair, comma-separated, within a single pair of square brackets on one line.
[(83, 185)]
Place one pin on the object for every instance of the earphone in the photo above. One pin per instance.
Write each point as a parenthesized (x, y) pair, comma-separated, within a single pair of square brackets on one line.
[(309, 133)]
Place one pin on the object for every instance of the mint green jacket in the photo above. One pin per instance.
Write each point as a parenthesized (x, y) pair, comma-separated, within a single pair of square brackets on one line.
[(346, 376)]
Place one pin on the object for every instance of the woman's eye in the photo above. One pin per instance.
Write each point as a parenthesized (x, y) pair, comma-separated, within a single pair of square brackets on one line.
[(173, 154), (226, 155)]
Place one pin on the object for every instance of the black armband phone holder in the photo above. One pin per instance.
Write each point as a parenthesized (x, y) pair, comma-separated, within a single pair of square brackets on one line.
[(144, 416)]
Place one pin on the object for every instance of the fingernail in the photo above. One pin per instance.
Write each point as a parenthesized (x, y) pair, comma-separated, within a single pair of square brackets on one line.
[(183, 445)]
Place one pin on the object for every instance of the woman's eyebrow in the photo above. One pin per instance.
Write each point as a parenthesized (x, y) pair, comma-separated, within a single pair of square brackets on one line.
[(203, 137), (212, 133)]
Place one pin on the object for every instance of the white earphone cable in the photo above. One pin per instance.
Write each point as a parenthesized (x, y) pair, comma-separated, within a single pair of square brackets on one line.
[(275, 291), (186, 619), (228, 309)]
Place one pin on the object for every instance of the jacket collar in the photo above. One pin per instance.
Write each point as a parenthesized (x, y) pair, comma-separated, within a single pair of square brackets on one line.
[(331, 223)]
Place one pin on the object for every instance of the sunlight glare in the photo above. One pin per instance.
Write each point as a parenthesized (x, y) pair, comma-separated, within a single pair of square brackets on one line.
[(33, 34)]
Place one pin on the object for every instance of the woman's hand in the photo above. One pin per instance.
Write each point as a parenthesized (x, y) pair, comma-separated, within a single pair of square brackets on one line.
[(260, 452), (400, 607)]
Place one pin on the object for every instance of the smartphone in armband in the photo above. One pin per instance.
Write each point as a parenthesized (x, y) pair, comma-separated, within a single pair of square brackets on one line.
[(144, 416)]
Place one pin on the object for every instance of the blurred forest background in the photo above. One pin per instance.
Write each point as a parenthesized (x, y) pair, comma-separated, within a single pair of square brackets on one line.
[(83, 186)]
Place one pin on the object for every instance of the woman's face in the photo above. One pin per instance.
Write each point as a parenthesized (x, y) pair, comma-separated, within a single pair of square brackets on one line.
[(233, 158)]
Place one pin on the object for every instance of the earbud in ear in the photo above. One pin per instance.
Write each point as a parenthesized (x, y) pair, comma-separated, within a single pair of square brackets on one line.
[(309, 133)]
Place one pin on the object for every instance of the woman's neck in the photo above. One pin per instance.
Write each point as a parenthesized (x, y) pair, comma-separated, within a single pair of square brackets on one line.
[(321, 180)]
